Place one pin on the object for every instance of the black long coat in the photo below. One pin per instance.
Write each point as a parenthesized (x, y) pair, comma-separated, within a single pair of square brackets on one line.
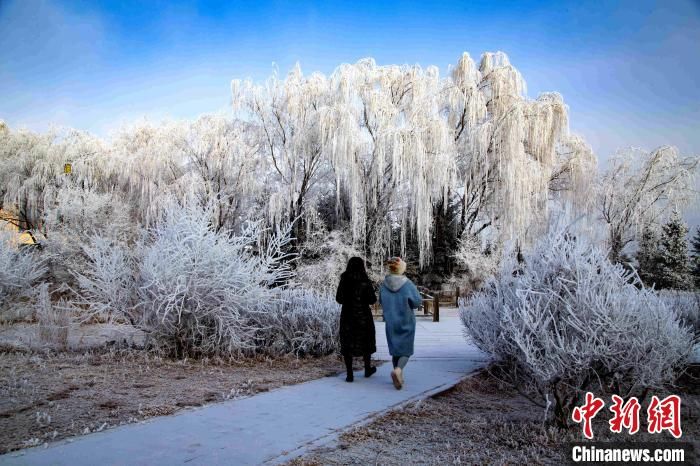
[(356, 323)]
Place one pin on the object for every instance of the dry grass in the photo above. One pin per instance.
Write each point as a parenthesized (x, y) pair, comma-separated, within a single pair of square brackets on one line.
[(50, 396), (480, 421)]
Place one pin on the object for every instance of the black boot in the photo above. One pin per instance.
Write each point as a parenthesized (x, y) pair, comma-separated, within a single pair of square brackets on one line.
[(369, 370), (348, 367)]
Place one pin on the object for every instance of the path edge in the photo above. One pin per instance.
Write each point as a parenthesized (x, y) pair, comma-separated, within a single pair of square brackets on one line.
[(335, 433)]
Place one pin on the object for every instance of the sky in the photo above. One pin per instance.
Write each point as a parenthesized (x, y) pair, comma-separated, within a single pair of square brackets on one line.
[(628, 70)]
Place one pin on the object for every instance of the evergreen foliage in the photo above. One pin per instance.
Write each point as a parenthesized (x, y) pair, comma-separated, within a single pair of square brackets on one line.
[(663, 258), (648, 256), (674, 266), (695, 258)]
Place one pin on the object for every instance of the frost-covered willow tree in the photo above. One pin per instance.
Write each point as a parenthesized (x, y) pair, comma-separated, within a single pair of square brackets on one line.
[(401, 140), (286, 115), (640, 189), (513, 154), (213, 160), (396, 146), (148, 160), (32, 171), (23, 159), (220, 169), (390, 148)]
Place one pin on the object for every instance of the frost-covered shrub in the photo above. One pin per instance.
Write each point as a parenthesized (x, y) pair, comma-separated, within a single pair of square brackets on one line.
[(76, 218), (81, 213), (198, 288), (571, 321), (687, 305), (324, 257), (20, 269), (301, 322), (478, 265), (107, 284)]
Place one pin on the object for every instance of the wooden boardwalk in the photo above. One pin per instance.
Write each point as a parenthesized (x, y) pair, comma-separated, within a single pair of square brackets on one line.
[(434, 340)]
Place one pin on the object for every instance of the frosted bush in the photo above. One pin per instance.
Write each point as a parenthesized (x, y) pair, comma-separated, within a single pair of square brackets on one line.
[(571, 321), (478, 266), (73, 221), (80, 213), (20, 269), (324, 257), (687, 305), (301, 322), (197, 288), (107, 283)]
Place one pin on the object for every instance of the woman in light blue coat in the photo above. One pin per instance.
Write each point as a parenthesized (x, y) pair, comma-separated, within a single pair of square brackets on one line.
[(399, 297)]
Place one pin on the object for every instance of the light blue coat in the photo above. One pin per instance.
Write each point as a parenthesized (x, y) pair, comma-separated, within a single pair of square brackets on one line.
[(398, 297)]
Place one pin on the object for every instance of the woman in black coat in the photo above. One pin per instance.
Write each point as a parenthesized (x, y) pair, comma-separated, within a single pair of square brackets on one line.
[(356, 293)]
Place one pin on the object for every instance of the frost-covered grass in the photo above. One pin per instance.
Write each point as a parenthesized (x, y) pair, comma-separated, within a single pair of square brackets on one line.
[(92, 391), (481, 421), (54, 320), (571, 321)]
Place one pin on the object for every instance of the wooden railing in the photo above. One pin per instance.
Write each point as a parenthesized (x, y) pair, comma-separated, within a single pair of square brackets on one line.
[(448, 297), (431, 303)]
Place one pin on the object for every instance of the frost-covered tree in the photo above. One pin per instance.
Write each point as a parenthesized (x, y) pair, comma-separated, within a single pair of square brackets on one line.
[(695, 257), (149, 162), (26, 172), (401, 140), (642, 188), (390, 147), (686, 304), (286, 113), (446, 234), (477, 262), (648, 257), (323, 258), (674, 266), (300, 322), (33, 175), (511, 151), (222, 163), (107, 282)]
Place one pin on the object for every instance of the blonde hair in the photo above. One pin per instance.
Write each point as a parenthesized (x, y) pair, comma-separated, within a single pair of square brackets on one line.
[(396, 266)]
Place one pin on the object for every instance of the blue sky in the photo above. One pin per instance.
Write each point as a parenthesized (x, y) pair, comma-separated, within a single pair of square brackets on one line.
[(629, 71)]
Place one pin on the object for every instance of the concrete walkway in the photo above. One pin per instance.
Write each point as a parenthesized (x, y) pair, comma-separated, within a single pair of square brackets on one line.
[(275, 426)]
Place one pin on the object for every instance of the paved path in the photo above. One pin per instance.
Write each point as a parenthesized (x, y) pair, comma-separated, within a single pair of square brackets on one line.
[(275, 426)]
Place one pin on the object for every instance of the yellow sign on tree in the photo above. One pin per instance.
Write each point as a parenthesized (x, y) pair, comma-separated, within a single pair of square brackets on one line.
[(67, 168)]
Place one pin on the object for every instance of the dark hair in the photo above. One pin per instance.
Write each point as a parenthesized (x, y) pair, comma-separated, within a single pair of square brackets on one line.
[(355, 269)]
